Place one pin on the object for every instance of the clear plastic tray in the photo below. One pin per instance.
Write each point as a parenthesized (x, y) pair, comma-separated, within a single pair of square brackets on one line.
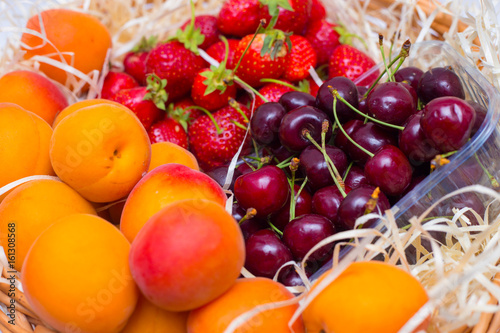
[(466, 166)]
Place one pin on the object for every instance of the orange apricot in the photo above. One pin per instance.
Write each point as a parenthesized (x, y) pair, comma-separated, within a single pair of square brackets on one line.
[(80, 105), (368, 296), (32, 207), (81, 40), (162, 186), (33, 92), (243, 296), (168, 152), (76, 276), (188, 254), (148, 318), (24, 144), (101, 151)]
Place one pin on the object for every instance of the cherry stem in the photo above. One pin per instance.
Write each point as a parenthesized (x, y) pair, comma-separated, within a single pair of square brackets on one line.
[(285, 163), (255, 148), (250, 214), (344, 132), (347, 170), (337, 95), (209, 114), (294, 165), (240, 81), (493, 180), (448, 154), (381, 45), (294, 199), (276, 230), (291, 86)]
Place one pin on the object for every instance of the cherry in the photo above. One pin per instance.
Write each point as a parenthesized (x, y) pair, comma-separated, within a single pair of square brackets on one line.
[(280, 152), (414, 143), (314, 166), (304, 232), (297, 122), (243, 169), (265, 253), (251, 226), (341, 141), (265, 122), (481, 112), (439, 82), (371, 137), (391, 102), (469, 200), (412, 92), (409, 74), (219, 175), (390, 170), (346, 89), (447, 122), (326, 202), (294, 99), (362, 105), (356, 178), (291, 278), (354, 206), (414, 182), (302, 206), (265, 189)]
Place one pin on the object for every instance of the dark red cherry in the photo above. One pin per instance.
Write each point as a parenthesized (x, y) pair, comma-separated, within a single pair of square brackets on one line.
[(481, 112), (414, 143), (463, 200), (346, 89), (251, 226), (356, 178), (302, 206), (244, 168), (265, 122), (326, 201), (362, 105), (280, 152), (265, 253), (447, 122), (296, 122), (313, 165), (350, 127), (439, 82), (391, 102), (412, 92), (291, 278), (409, 74), (265, 189), (390, 170), (371, 137), (219, 175), (354, 206), (294, 99), (304, 232)]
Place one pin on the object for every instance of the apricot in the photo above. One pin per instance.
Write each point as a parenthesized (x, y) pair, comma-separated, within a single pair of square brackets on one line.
[(33, 207), (81, 40), (148, 318), (369, 296), (101, 151), (76, 276), (24, 144), (33, 92), (164, 185), (80, 105), (243, 296), (187, 254), (168, 152)]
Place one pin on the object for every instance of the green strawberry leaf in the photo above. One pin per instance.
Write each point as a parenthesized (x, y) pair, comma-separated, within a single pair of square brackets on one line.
[(274, 41), (190, 36), (273, 6), (156, 91), (180, 115), (145, 44), (305, 86)]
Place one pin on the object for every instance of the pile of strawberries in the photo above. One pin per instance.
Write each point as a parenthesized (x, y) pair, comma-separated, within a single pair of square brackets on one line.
[(266, 46)]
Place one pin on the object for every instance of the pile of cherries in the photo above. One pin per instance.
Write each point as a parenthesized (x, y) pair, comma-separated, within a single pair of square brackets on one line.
[(347, 152)]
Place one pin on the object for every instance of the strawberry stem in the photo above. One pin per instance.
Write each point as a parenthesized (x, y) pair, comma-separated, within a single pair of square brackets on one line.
[(240, 81), (209, 114), (286, 84), (235, 105), (239, 125), (248, 46)]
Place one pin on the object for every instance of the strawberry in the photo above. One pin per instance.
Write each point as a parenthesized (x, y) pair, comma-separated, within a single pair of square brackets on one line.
[(323, 38), (218, 52), (308, 85), (212, 98), (318, 11), (116, 81), (214, 148), (145, 102), (134, 62), (293, 14), (185, 106), (239, 17), (348, 61), (208, 28), (169, 130), (254, 66), (272, 91), (300, 59)]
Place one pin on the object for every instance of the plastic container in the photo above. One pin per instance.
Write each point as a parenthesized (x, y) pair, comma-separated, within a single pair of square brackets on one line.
[(467, 166)]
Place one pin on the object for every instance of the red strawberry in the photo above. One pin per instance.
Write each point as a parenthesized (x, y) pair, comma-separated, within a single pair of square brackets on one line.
[(294, 20), (134, 62), (213, 148), (239, 17), (218, 52), (145, 102), (300, 59), (169, 130), (309, 85), (348, 61), (323, 38), (206, 93), (254, 66), (185, 105), (272, 91), (208, 28), (318, 11), (116, 81)]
